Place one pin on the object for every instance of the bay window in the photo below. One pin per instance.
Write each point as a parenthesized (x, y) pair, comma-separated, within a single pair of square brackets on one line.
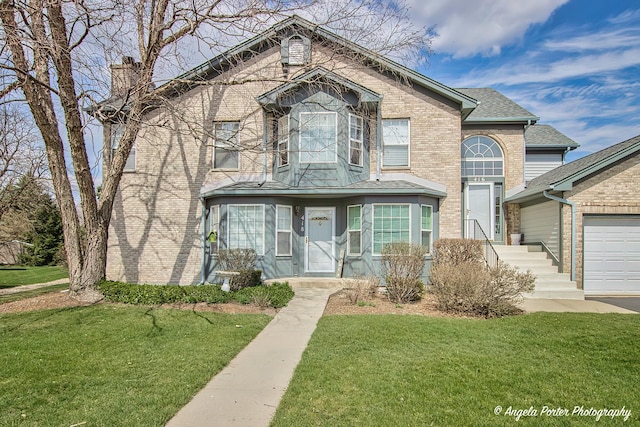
[(318, 137), (246, 227), (391, 223)]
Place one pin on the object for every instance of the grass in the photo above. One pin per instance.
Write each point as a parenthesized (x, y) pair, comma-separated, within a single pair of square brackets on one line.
[(108, 365), (421, 371), (18, 275), (32, 293)]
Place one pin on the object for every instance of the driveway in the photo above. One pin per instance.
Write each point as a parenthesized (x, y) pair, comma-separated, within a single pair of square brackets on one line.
[(630, 303)]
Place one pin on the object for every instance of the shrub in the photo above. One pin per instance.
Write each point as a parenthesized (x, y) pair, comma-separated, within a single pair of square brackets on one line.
[(361, 288), (457, 251), (245, 279), (276, 295), (462, 283), (402, 267), (237, 259)]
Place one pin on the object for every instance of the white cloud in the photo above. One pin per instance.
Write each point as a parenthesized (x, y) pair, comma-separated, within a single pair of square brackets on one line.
[(617, 39), (483, 26)]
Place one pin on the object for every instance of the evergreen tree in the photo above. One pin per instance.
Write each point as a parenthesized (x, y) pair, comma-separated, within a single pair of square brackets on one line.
[(46, 236)]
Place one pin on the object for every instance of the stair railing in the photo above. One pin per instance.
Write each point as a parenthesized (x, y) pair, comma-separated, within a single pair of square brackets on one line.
[(475, 231)]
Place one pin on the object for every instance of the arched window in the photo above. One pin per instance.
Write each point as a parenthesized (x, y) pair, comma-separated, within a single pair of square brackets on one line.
[(481, 156)]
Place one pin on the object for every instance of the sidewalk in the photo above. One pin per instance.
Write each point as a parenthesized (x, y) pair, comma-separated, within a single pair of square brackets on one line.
[(248, 390), (571, 306), (23, 288)]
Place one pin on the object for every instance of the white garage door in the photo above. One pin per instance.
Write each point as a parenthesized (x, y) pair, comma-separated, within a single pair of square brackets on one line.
[(611, 255)]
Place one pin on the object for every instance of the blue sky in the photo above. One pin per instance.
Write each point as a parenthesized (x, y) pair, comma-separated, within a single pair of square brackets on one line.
[(575, 64)]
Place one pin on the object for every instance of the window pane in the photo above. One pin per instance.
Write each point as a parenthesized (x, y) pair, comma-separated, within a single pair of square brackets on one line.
[(283, 243), (354, 217), (426, 239), (296, 51), (317, 137), (390, 224), (225, 152), (355, 243), (426, 217), (246, 227)]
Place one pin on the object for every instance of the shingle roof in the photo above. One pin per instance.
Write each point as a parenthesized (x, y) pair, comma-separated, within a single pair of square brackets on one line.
[(359, 188), (494, 106), (547, 136), (563, 177)]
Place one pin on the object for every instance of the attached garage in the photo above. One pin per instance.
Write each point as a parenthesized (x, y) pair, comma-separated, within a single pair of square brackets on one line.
[(611, 255)]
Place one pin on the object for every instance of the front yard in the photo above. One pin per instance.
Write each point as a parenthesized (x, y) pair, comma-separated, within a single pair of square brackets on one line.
[(112, 365), (385, 370)]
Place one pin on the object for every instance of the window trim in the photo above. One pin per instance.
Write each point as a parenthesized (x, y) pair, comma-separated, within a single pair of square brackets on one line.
[(264, 225), (285, 141), (236, 150), (425, 229), (373, 223), (335, 142), (115, 143), (352, 140), (408, 144), (349, 231), (290, 230)]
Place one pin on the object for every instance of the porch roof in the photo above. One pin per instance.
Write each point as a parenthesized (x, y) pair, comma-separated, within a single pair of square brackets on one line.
[(362, 188)]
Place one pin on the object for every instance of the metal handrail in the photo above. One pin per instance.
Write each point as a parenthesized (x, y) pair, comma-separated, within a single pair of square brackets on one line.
[(475, 231)]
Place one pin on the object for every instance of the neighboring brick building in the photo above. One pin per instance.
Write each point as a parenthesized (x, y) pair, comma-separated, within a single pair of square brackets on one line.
[(311, 150)]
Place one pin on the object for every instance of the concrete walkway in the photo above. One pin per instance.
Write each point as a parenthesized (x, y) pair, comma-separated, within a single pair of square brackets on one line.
[(248, 391), (571, 306), (24, 288)]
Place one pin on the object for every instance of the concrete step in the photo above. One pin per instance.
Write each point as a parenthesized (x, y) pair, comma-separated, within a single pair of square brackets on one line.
[(555, 284), (537, 269), (529, 263)]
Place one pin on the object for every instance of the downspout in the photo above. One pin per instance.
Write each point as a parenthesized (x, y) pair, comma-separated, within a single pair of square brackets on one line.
[(378, 138), (264, 148), (204, 241), (524, 165), (573, 229)]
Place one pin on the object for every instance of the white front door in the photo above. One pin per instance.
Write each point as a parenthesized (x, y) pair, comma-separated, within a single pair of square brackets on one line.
[(319, 240), (481, 206)]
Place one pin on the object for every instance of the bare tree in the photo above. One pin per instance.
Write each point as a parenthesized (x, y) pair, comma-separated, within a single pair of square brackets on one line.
[(50, 48)]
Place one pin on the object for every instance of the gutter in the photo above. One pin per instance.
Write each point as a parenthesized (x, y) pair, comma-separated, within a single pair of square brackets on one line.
[(204, 241), (573, 229), (524, 157)]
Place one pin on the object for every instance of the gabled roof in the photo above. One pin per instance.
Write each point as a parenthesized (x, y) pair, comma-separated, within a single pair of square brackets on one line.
[(564, 177), (494, 107), (547, 137), (269, 38), (318, 75)]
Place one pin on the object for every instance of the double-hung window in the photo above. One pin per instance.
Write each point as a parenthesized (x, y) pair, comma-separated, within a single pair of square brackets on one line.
[(318, 137), (116, 135), (355, 139), (391, 223), (283, 140), (354, 236), (225, 146), (283, 230), (395, 143), (426, 226), (246, 227)]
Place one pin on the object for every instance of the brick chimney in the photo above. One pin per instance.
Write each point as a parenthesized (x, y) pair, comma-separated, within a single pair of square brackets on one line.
[(124, 76)]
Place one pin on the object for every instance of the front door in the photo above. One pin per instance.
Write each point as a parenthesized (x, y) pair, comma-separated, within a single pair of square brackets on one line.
[(319, 240), (481, 206)]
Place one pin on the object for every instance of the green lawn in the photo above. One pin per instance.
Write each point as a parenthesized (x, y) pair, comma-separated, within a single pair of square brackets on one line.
[(421, 371), (11, 276), (109, 365)]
